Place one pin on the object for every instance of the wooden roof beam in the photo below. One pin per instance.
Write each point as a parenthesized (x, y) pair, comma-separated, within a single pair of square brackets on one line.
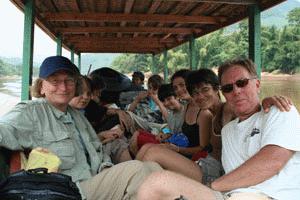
[(235, 2), (118, 44), (109, 17), (75, 38), (75, 30), (128, 7), (117, 50), (155, 4)]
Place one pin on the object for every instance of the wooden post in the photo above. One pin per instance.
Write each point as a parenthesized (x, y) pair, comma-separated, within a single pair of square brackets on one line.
[(28, 39), (165, 61), (255, 37), (79, 61), (59, 45), (154, 65), (192, 53), (72, 54)]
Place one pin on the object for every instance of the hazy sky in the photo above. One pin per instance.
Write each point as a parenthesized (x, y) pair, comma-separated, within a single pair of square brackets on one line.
[(11, 35)]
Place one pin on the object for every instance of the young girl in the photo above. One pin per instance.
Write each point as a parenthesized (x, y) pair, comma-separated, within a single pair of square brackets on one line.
[(110, 132)]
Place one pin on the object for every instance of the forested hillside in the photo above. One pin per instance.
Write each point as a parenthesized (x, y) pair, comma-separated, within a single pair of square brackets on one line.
[(280, 49)]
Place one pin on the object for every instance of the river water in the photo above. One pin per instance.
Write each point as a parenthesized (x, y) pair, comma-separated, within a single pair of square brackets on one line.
[(11, 86), (281, 85), (286, 85)]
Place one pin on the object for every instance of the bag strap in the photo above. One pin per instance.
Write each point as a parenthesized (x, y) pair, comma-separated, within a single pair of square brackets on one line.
[(40, 170)]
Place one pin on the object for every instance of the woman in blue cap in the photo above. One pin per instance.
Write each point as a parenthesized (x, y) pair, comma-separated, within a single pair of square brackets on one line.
[(49, 122)]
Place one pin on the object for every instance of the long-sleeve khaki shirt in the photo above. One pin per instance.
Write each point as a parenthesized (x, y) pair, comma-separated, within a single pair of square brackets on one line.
[(37, 123)]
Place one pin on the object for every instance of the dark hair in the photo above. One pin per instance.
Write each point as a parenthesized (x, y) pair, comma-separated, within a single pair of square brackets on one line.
[(180, 73), (139, 74), (245, 63), (156, 81), (97, 82), (81, 80), (165, 91), (206, 76)]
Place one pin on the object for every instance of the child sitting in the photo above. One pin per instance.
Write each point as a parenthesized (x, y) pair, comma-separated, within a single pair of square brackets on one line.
[(173, 112)]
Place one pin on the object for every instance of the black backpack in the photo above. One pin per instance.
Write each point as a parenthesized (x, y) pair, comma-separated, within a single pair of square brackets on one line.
[(38, 184)]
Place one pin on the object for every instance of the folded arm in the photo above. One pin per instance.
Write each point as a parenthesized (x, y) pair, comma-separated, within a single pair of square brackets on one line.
[(262, 166)]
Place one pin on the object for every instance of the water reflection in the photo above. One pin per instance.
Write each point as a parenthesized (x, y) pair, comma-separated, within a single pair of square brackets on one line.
[(11, 86), (289, 87)]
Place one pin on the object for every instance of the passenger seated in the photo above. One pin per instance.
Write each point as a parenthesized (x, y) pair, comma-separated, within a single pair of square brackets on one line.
[(202, 83), (49, 122), (109, 130), (144, 106), (137, 85), (260, 151), (137, 81)]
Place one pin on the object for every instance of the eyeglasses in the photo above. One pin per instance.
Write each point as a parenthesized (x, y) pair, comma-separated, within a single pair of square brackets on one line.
[(239, 83), (68, 82)]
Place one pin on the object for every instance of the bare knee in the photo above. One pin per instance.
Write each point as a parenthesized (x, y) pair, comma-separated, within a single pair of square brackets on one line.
[(143, 153)]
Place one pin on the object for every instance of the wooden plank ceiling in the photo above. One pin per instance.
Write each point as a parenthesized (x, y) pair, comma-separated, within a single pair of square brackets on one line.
[(136, 26)]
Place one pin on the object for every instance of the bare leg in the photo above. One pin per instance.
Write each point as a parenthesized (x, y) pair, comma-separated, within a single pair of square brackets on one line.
[(171, 160), (168, 185), (143, 151)]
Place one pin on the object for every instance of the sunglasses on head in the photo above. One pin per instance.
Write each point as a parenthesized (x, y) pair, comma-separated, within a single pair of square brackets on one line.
[(239, 83)]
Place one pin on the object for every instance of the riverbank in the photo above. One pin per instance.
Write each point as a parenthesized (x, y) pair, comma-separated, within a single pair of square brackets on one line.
[(280, 77)]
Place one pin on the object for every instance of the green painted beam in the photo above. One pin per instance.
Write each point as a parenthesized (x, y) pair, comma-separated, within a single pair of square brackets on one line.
[(255, 37), (165, 62), (72, 54), (79, 61), (28, 39), (154, 68), (192, 55), (59, 45)]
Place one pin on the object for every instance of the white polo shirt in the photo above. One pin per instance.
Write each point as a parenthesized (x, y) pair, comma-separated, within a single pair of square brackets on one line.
[(241, 140)]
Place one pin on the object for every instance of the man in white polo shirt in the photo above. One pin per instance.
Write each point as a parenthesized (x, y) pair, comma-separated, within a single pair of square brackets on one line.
[(260, 151)]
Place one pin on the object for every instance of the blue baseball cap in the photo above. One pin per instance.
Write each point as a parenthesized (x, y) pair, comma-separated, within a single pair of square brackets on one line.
[(53, 64)]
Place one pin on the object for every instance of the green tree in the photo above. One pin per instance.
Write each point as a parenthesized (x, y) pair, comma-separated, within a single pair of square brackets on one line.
[(294, 17)]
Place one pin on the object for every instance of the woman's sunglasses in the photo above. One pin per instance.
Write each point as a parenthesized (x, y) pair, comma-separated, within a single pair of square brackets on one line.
[(239, 83)]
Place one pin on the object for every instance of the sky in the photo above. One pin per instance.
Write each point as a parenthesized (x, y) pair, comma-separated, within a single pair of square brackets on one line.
[(11, 35)]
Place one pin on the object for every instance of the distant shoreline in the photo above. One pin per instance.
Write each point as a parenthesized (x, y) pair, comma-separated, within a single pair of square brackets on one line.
[(282, 77)]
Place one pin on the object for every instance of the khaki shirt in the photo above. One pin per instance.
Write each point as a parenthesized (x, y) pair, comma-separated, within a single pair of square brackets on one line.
[(37, 123)]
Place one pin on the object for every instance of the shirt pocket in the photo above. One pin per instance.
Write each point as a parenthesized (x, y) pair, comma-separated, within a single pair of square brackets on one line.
[(61, 144)]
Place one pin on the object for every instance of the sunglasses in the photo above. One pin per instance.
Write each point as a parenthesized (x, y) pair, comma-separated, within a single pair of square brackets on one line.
[(239, 83)]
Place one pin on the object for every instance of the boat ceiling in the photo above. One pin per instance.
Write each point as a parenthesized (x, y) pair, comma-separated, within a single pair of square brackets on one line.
[(136, 26)]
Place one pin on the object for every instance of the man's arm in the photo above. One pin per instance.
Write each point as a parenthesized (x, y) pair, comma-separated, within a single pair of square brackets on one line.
[(281, 102), (262, 166)]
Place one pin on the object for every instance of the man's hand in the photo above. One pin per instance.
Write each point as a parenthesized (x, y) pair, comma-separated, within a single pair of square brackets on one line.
[(281, 102)]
